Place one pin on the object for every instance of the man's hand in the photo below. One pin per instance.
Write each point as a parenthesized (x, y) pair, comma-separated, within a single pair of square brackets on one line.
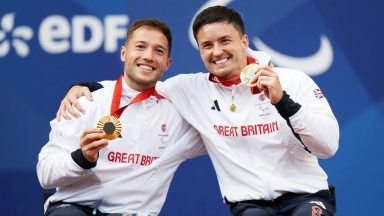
[(91, 141), (70, 102), (268, 81)]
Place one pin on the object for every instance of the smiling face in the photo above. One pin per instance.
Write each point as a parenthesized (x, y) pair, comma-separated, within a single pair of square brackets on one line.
[(146, 57), (222, 49)]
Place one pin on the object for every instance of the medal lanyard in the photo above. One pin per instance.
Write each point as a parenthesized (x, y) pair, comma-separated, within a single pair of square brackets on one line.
[(117, 93)]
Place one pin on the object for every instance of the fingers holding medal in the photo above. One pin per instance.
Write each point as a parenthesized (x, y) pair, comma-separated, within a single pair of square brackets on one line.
[(248, 73), (111, 127), (91, 141), (265, 79)]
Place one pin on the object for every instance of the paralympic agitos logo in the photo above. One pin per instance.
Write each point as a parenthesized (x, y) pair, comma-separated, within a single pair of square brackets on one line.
[(315, 64), (57, 34)]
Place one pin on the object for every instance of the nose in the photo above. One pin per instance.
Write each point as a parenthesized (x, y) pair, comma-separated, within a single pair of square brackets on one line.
[(217, 51), (148, 55)]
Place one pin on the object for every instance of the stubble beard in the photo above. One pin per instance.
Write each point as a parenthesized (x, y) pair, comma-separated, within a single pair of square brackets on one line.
[(140, 84)]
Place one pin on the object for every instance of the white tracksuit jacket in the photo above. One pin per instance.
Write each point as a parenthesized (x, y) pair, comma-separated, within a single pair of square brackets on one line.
[(133, 173), (253, 150)]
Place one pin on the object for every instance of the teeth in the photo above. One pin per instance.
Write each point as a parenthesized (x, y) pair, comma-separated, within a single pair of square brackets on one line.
[(221, 61), (146, 67)]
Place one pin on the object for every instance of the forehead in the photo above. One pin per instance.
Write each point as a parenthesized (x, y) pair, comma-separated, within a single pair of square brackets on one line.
[(217, 30), (150, 35)]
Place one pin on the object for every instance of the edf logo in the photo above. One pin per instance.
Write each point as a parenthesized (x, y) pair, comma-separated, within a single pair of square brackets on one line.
[(15, 36), (57, 34)]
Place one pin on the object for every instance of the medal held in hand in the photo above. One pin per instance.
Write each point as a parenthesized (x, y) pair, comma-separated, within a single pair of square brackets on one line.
[(248, 73), (111, 126)]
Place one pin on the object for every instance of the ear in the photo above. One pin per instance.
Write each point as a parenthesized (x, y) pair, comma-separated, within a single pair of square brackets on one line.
[(169, 62), (123, 51), (245, 42)]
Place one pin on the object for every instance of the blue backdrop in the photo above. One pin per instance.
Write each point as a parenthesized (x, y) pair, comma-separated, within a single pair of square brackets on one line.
[(47, 45)]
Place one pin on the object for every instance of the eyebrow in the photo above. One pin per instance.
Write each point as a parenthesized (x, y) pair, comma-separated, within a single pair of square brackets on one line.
[(157, 45), (224, 37), (220, 38)]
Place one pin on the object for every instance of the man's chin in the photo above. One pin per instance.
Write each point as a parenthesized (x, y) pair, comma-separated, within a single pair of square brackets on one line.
[(146, 82), (221, 72)]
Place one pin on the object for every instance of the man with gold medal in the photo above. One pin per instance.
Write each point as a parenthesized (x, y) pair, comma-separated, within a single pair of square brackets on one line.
[(265, 126), (115, 159)]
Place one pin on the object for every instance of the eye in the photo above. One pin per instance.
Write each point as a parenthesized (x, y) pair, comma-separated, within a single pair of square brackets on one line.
[(225, 41), (160, 51), (140, 47), (206, 46)]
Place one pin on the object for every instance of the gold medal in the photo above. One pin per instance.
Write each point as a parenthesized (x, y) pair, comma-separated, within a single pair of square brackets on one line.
[(248, 73), (232, 107), (111, 126)]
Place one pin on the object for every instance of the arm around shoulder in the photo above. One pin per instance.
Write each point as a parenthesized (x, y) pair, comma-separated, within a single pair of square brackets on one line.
[(56, 165)]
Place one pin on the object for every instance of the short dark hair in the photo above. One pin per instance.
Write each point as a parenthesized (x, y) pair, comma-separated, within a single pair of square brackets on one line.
[(151, 22), (217, 14)]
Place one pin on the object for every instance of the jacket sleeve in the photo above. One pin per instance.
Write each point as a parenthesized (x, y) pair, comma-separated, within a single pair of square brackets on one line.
[(309, 115), (177, 88), (188, 144), (57, 165), (193, 144), (94, 86)]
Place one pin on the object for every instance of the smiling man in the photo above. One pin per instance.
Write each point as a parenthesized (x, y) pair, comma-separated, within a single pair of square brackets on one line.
[(127, 169), (264, 141)]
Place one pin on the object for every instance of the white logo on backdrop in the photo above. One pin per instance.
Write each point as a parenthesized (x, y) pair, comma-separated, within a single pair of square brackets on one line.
[(314, 64), (58, 34), (15, 36)]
